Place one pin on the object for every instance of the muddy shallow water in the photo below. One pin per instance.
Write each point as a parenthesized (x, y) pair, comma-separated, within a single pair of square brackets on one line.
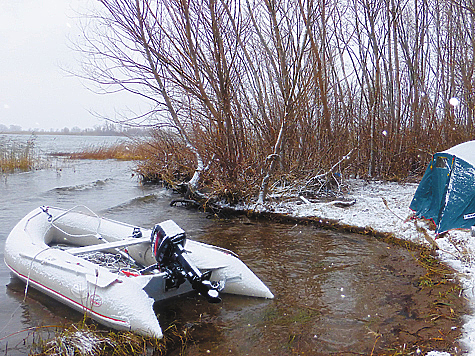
[(335, 293)]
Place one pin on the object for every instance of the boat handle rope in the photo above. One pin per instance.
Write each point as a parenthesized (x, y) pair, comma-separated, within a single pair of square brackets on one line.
[(29, 271), (44, 209), (51, 220), (25, 293), (97, 234)]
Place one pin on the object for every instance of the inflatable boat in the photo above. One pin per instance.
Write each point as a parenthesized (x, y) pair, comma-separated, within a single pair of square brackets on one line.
[(114, 272)]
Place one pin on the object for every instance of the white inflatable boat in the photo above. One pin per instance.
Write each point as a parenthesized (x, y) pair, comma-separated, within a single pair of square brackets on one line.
[(114, 272)]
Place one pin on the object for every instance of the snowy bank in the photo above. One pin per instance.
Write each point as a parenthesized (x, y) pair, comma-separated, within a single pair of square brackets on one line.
[(384, 206)]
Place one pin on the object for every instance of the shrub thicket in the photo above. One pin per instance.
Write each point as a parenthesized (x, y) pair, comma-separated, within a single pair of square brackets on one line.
[(269, 92)]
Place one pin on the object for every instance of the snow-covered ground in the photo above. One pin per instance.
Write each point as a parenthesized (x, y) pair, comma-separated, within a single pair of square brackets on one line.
[(384, 206)]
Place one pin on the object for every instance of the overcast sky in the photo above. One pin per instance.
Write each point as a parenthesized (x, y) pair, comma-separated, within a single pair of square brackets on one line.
[(35, 92)]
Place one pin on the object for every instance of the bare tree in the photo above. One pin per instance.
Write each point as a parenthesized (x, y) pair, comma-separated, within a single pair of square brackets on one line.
[(267, 92)]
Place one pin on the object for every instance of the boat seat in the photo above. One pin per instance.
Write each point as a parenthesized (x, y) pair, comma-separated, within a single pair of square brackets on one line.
[(108, 245)]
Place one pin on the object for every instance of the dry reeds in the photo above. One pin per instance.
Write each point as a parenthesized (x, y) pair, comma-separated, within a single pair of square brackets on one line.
[(169, 160), (130, 151), (16, 156)]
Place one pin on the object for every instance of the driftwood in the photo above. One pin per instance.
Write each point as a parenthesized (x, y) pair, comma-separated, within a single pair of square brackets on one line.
[(184, 201), (338, 203), (344, 204)]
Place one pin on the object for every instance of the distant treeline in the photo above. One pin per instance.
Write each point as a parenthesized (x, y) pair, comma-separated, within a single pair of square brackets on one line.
[(109, 129)]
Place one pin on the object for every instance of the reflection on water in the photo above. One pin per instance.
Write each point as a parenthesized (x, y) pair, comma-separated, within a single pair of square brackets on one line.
[(330, 289)]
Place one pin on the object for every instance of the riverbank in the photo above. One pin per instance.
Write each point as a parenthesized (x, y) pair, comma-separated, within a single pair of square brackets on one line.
[(384, 207)]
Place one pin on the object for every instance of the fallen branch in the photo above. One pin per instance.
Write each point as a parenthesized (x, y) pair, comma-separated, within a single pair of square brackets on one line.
[(318, 176), (338, 203), (184, 201)]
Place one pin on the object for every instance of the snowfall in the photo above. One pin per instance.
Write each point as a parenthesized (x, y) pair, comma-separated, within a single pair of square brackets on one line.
[(384, 206)]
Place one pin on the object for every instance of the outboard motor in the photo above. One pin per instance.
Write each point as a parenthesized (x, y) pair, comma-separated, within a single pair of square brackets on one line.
[(168, 246)]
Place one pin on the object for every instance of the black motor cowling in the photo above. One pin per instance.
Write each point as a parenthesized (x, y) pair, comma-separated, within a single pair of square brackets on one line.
[(168, 246)]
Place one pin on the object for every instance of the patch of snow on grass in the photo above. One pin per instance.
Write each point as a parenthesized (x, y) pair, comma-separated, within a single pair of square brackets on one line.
[(74, 342)]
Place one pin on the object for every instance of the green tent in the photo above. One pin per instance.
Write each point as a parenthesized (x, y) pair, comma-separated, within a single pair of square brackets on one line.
[(446, 193)]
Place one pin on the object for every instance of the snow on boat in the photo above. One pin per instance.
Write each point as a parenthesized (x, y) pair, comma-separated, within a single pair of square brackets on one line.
[(114, 271)]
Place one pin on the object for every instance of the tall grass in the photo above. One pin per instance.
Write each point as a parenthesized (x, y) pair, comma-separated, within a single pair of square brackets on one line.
[(17, 156)]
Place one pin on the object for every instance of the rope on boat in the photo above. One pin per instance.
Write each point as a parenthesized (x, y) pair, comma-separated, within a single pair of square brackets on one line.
[(51, 220), (26, 291), (97, 234), (114, 262), (29, 271)]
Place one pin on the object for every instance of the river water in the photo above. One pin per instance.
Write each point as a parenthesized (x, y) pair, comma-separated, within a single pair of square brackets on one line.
[(332, 290)]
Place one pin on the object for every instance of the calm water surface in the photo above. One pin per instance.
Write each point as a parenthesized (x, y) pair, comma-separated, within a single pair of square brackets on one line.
[(327, 285)]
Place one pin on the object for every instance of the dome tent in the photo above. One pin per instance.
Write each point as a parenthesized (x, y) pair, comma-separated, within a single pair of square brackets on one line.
[(446, 193)]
